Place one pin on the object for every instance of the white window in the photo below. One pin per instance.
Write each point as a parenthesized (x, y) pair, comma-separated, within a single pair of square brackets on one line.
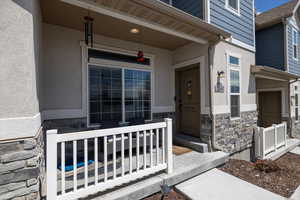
[(295, 44), (233, 6), (296, 103), (234, 86), (118, 95)]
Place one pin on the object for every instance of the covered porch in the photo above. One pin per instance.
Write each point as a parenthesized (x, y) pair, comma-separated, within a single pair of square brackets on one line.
[(104, 86), (274, 93), (112, 117)]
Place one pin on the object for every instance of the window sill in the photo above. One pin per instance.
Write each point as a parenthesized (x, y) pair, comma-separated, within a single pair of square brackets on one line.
[(234, 11)]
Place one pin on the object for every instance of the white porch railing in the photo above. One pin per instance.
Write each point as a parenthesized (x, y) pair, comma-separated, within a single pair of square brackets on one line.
[(268, 140), (110, 157)]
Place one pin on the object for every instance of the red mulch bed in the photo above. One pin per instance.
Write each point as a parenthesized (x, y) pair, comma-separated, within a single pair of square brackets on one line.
[(173, 195), (281, 176)]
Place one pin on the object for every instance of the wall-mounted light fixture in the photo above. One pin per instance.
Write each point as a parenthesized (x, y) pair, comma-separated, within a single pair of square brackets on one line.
[(221, 74)]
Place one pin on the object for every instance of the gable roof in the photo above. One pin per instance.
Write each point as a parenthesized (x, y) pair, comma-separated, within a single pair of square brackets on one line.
[(275, 15)]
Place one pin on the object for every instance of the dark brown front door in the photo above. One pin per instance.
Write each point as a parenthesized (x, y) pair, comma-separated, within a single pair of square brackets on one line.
[(188, 101), (269, 108)]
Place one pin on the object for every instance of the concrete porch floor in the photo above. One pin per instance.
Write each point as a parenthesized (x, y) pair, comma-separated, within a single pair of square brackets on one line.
[(186, 166)]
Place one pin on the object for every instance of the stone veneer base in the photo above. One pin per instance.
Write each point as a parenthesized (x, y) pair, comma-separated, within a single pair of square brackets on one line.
[(235, 135), (22, 168)]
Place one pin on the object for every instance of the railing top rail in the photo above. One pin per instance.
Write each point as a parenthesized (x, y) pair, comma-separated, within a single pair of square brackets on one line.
[(108, 132), (280, 125), (268, 128)]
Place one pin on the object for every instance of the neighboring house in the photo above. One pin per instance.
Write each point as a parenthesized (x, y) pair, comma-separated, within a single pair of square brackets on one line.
[(277, 54), (196, 71)]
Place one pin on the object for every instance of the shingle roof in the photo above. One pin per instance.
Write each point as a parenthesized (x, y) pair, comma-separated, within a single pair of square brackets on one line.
[(275, 15)]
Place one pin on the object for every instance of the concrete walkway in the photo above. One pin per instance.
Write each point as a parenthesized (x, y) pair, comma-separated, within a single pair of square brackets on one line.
[(296, 151), (218, 185)]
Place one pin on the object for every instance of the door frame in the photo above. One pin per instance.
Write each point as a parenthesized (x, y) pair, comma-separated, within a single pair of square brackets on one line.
[(284, 113), (201, 60), (201, 63)]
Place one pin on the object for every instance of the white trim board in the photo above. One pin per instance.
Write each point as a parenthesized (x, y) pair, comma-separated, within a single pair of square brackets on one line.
[(20, 127)]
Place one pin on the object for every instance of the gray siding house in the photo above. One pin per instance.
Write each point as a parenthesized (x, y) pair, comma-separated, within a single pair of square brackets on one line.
[(277, 47), (83, 81)]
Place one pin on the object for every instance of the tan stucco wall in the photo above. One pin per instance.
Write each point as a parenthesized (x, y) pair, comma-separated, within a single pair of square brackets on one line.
[(19, 57), (62, 73), (190, 52), (20, 61), (248, 92)]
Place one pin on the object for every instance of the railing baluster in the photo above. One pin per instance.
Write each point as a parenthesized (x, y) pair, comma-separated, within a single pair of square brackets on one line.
[(151, 149), (114, 157), (137, 151), (163, 145), (86, 163), (130, 153), (122, 155), (145, 150), (96, 160), (157, 146), (63, 165), (105, 158), (75, 165)]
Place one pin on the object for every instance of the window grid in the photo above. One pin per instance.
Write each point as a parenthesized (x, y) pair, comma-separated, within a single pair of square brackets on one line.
[(108, 95), (234, 86)]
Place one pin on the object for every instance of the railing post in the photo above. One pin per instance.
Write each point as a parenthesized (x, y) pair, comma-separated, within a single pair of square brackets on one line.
[(285, 133), (262, 139), (169, 145), (51, 159), (275, 136)]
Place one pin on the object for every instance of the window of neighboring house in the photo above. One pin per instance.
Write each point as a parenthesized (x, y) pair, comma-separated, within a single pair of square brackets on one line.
[(296, 103), (295, 44), (234, 83), (118, 95), (233, 5)]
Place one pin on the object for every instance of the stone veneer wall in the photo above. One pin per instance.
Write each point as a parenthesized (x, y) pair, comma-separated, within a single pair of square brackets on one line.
[(22, 168), (235, 135)]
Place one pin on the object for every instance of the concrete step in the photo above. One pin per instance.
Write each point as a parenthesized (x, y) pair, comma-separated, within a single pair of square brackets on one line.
[(218, 185), (190, 142)]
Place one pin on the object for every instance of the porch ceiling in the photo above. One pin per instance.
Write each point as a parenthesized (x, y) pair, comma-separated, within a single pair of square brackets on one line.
[(271, 73), (115, 18)]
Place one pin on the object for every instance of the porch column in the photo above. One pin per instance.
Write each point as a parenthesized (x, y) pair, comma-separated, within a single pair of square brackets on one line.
[(21, 140)]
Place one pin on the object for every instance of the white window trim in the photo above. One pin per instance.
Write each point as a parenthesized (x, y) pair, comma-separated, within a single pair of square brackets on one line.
[(123, 90), (235, 68), (85, 79), (233, 10), (295, 44)]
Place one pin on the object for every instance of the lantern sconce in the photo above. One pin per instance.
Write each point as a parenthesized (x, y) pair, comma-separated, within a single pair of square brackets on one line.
[(88, 29), (221, 74)]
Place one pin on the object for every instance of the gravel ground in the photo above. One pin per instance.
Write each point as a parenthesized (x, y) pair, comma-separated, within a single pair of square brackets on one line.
[(172, 196), (283, 181)]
